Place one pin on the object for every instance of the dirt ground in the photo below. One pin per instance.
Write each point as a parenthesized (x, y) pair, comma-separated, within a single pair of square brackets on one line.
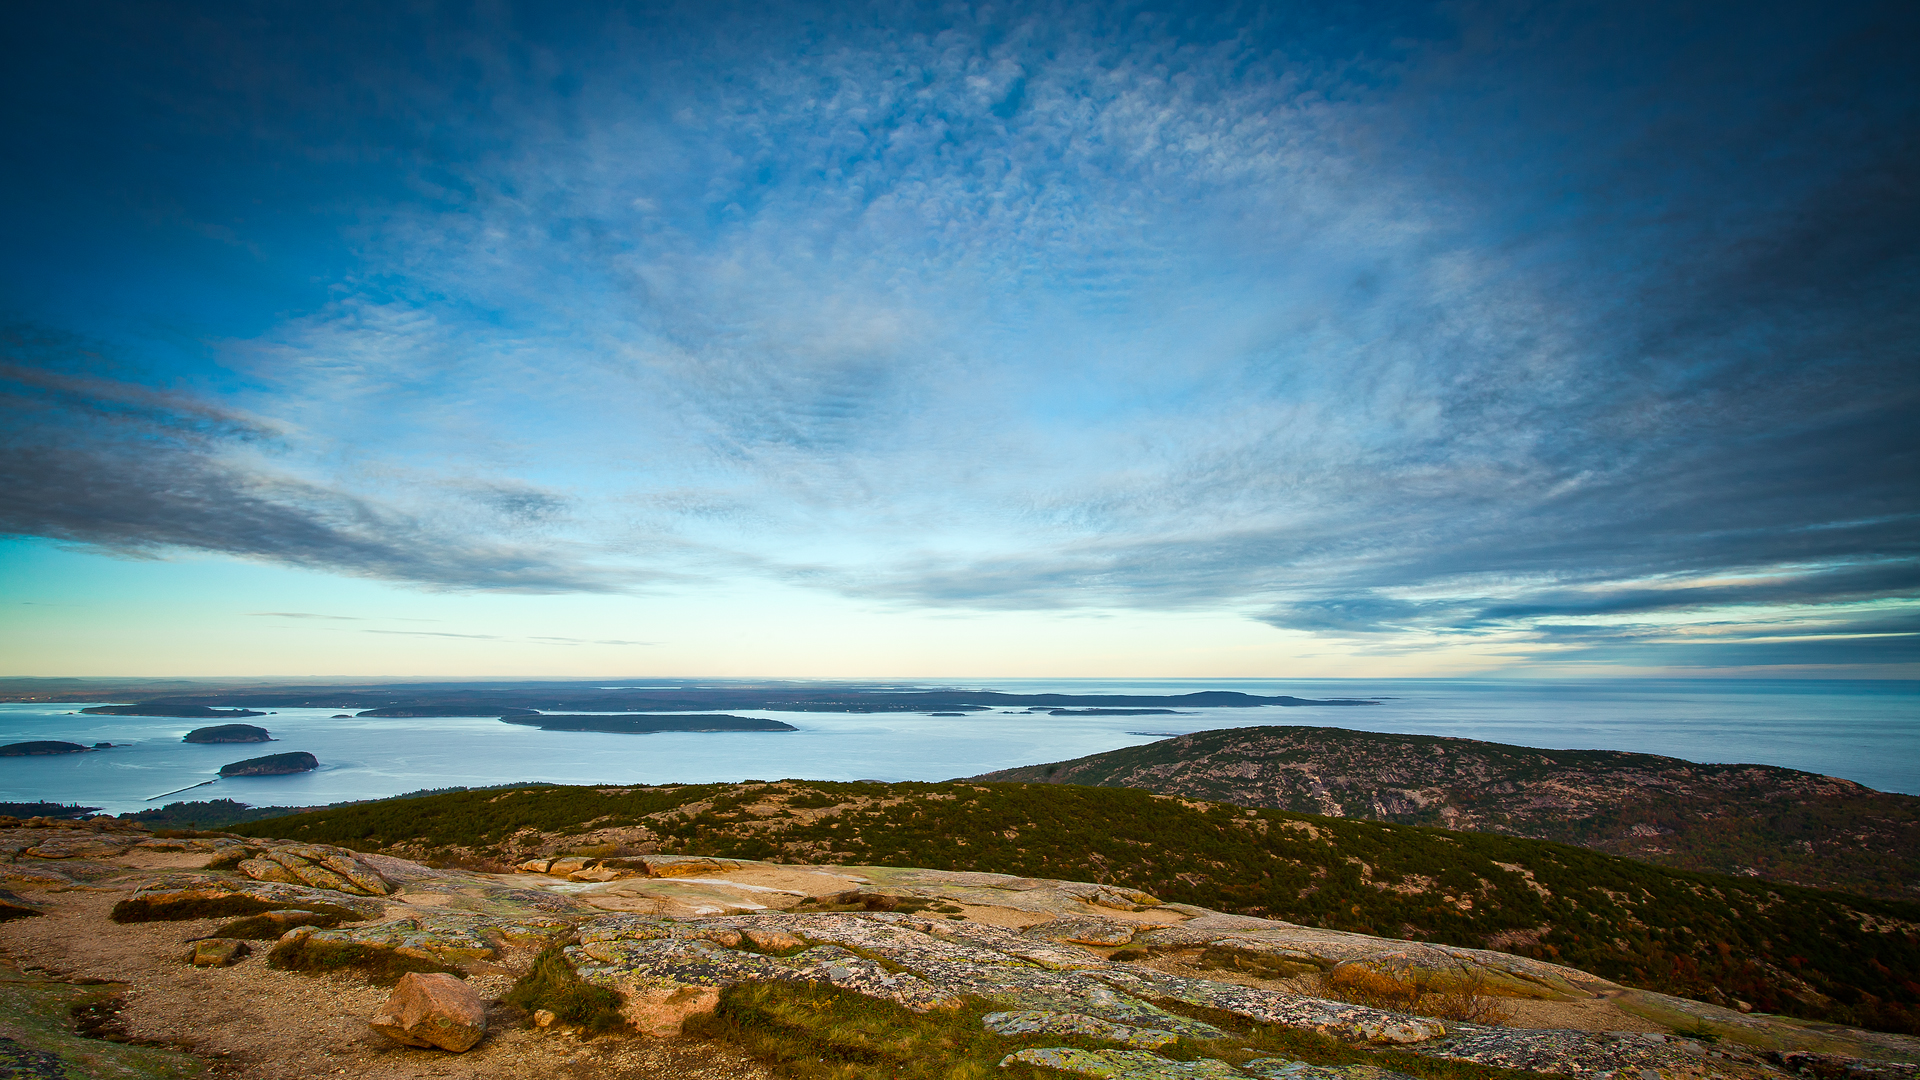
[(249, 1021)]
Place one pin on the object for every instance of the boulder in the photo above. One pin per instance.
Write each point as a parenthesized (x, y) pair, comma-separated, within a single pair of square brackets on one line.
[(83, 846), (774, 940), (208, 896), (362, 878), (572, 864), (660, 1011), (217, 952), (534, 866), (310, 874), (433, 1010)]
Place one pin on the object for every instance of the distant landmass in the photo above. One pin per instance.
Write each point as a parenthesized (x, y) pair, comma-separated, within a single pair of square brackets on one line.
[(298, 761), (396, 711), (1751, 820), (642, 724), (502, 699), (228, 733), (185, 712)]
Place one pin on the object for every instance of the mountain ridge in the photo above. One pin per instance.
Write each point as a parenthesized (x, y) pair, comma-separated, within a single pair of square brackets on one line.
[(1743, 819)]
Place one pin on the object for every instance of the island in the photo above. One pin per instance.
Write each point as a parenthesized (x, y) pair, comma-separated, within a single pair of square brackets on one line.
[(1114, 712), (273, 765), (184, 712), (646, 723), (46, 746), (445, 710), (228, 733)]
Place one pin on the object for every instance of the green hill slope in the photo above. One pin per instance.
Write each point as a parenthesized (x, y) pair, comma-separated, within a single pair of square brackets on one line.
[(1781, 824), (1779, 947)]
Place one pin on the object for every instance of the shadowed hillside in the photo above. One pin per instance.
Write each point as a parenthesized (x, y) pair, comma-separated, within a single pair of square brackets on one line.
[(1753, 820)]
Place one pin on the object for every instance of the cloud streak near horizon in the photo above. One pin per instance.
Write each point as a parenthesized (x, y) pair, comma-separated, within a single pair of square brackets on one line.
[(1585, 333)]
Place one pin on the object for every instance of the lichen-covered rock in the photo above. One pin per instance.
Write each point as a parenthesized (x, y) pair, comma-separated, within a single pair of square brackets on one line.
[(1573, 1053), (1122, 1064), (195, 896), (433, 1010), (1273, 1007), (1044, 1022), (1289, 1069), (264, 869), (661, 1011), (1104, 932), (309, 873), (84, 846), (767, 940), (359, 876)]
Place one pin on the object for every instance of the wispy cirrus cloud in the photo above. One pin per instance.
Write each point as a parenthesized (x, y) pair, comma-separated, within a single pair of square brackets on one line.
[(1576, 332)]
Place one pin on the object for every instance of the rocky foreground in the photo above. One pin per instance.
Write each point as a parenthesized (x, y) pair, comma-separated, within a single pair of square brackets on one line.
[(1084, 979)]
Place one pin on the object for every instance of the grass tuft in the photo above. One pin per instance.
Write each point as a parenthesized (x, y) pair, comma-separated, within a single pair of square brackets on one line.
[(552, 984), (820, 1033)]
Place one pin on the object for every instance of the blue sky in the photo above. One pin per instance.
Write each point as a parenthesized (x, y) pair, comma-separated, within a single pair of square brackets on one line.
[(947, 339)]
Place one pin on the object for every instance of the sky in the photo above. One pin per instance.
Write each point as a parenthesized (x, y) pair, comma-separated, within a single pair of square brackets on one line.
[(944, 340)]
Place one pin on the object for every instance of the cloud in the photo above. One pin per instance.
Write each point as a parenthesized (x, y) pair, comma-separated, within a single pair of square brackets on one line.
[(122, 468), (1527, 329)]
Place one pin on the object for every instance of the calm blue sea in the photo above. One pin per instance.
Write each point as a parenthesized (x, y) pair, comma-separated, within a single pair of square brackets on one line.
[(1864, 731)]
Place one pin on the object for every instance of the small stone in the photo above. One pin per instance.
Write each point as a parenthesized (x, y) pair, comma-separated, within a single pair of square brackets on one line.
[(217, 952), (543, 1018), (433, 1010), (774, 940), (599, 873)]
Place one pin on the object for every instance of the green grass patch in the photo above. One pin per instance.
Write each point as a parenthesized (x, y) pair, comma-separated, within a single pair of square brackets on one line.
[(553, 985), (47, 1038), (820, 1033)]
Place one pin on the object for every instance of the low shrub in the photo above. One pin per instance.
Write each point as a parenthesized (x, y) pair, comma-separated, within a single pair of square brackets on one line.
[(142, 909), (378, 965)]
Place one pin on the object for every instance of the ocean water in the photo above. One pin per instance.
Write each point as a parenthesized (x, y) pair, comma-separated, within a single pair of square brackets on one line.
[(1864, 731)]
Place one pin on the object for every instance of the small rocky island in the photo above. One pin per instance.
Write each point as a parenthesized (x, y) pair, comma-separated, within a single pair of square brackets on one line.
[(45, 746), (647, 723), (298, 761), (228, 733)]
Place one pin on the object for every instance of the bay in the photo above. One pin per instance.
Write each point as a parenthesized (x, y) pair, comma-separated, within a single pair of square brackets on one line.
[(1868, 732)]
